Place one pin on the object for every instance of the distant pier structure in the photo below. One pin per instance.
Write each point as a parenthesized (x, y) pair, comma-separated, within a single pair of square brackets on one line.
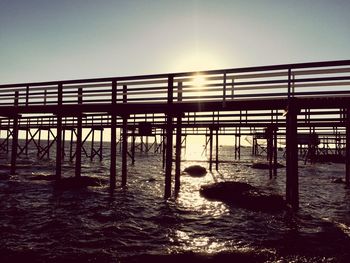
[(307, 105)]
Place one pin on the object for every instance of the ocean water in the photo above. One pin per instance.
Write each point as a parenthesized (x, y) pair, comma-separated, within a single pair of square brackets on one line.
[(40, 223)]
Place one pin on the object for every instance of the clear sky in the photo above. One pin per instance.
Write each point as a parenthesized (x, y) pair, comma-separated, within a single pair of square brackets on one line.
[(68, 39)]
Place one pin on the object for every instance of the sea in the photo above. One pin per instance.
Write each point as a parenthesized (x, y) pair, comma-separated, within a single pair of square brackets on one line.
[(42, 223)]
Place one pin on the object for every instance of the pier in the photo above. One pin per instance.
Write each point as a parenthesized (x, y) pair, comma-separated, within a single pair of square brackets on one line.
[(305, 105)]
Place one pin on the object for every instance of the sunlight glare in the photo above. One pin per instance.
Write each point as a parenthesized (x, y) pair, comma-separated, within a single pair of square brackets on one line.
[(198, 81)]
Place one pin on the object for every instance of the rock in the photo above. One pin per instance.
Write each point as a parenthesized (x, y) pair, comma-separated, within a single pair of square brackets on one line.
[(41, 177), (337, 181), (4, 176), (261, 165), (243, 195), (74, 182), (196, 171)]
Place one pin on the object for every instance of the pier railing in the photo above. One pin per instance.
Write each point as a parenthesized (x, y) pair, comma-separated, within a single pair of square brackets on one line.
[(319, 79)]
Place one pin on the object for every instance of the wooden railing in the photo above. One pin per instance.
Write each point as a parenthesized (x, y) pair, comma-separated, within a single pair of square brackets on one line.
[(325, 79)]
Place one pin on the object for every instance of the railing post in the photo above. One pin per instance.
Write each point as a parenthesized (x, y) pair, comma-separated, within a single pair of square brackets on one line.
[(224, 92), (27, 95), (169, 139), (289, 83), (14, 137)]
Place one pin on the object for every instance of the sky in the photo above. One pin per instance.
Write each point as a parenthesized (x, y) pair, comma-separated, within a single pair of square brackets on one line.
[(42, 40)]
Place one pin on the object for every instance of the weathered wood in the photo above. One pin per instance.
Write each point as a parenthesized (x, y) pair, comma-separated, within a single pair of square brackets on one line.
[(79, 137), (113, 151), (347, 154), (14, 138), (124, 151), (292, 178), (169, 141)]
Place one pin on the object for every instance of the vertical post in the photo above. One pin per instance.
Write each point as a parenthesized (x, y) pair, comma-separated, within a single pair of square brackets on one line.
[(169, 139), (92, 144), (239, 144), (347, 153), (113, 157), (269, 133), (133, 146), (210, 148), (275, 151), (217, 149), (79, 137), (163, 148), (101, 144), (27, 131), (292, 183), (236, 143), (59, 135), (48, 141), (14, 137), (63, 142), (71, 145), (124, 141), (178, 143)]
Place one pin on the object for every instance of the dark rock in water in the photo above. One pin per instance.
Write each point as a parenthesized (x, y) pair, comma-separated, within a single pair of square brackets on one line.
[(338, 181), (333, 158), (243, 195), (74, 182), (196, 171), (151, 179), (41, 177), (259, 165), (4, 176)]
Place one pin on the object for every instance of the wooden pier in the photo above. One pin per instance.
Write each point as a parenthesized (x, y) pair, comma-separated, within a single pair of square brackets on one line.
[(305, 105)]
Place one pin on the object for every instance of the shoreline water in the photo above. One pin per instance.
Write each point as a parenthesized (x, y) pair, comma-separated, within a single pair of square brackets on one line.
[(43, 224)]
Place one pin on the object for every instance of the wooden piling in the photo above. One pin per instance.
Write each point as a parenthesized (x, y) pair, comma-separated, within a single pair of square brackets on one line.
[(178, 155), (210, 149), (217, 149), (178, 143), (59, 136), (113, 157), (79, 136), (169, 141), (292, 178), (125, 141), (347, 149), (14, 138), (124, 151), (275, 152)]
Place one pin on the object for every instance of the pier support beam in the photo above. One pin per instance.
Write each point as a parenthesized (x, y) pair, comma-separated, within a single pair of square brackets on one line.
[(113, 157), (168, 156), (292, 178), (14, 138), (347, 155), (217, 149), (78, 147), (124, 151), (169, 141), (59, 136), (178, 155), (210, 149), (59, 148), (14, 145)]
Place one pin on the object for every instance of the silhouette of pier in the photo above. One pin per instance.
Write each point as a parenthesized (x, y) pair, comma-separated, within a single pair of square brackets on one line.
[(305, 106)]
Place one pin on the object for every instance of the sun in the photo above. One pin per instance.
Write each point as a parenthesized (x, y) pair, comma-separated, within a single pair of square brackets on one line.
[(199, 81)]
